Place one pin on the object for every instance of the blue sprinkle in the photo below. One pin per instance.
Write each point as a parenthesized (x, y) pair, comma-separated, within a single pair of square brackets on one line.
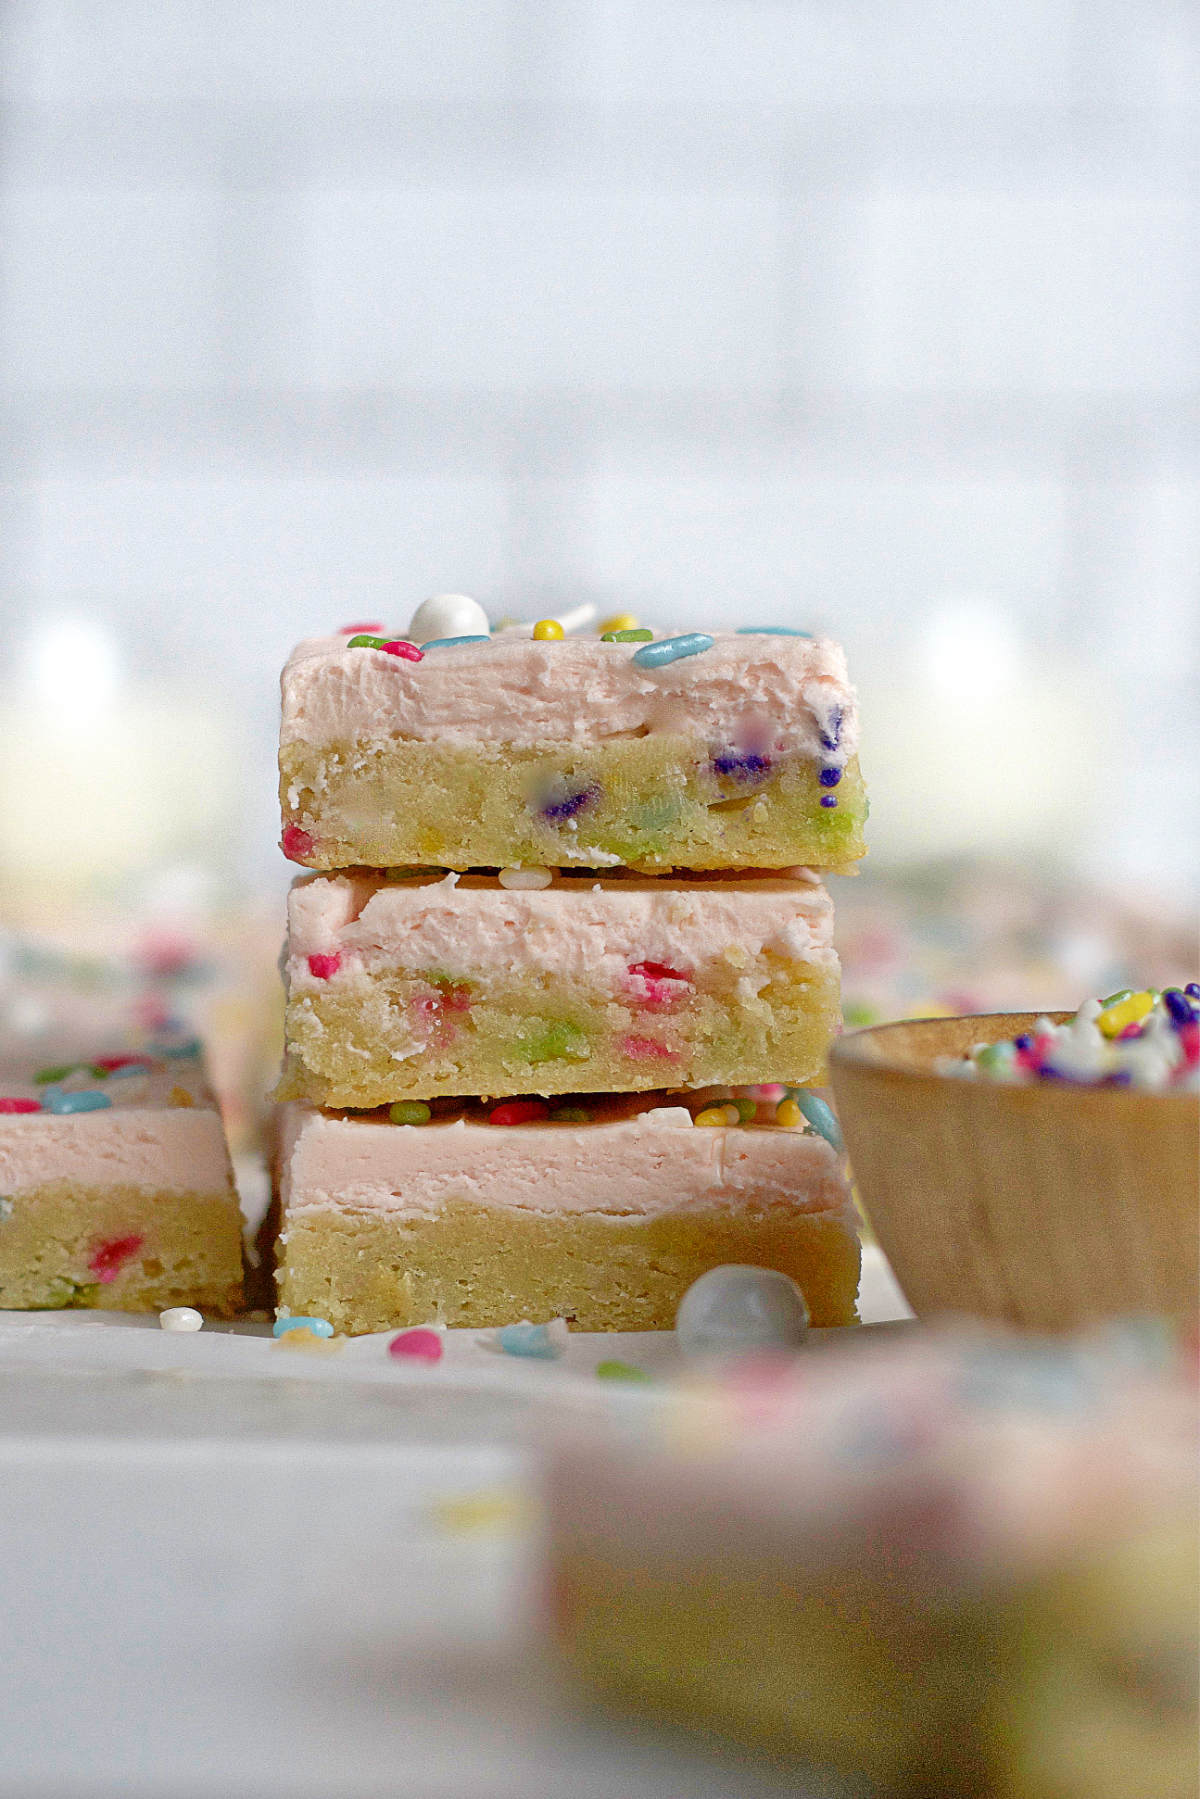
[(449, 643), (830, 777), (1024, 1041), (531, 1340), (819, 1115), (827, 799), (770, 631), (320, 1327), (557, 810), (746, 768), (55, 1100), (177, 1052), (1193, 990), (671, 649), (1176, 1004)]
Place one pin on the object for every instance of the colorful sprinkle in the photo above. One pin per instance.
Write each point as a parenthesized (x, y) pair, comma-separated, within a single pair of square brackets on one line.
[(452, 643), (557, 811), (657, 985), (646, 1049), (771, 631), (179, 1049), (718, 1115), (108, 1259), (447, 615), (552, 1041), (55, 1100), (672, 649), (179, 1096), (570, 1115), (820, 1115), (399, 646), (614, 1370), (318, 1327), (547, 630), (828, 801), (1113, 1019), (519, 1111), (409, 1111), (632, 635), (532, 1341), (1179, 1008), (20, 1105), (297, 844), (180, 1318), (620, 621), (747, 1110), (420, 1345), (58, 1072), (829, 777), (119, 1064), (739, 767), (324, 966), (788, 1114), (357, 630)]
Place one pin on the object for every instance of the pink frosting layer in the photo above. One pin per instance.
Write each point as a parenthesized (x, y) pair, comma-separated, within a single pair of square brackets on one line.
[(753, 693), (639, 1156), (591, 929), (141, 1139)]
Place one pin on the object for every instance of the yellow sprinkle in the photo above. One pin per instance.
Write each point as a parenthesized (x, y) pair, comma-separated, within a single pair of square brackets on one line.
[(547, 630), (620, 621), (179, 1096), (788, 1113), (305, 1343), (1130, 1011), (473, 1514), (711, 1115)]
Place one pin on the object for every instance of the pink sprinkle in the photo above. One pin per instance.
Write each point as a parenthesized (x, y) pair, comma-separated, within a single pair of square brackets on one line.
[(399, 647), (20, 1105), (324, 966), (657, 984), (771, 1091), (645, 1049), (1189, 1037), (1129, 1033), (371, 630), (416, 1346), (519, 1111), (297, 843), (109, 1259)]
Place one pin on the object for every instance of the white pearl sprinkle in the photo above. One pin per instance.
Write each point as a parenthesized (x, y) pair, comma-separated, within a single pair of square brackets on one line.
[(525, 877), (448, 615), (736, 1310), (181, 1318)]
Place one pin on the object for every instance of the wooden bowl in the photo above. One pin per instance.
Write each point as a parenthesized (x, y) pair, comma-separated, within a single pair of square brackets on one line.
[(1046, 1205)]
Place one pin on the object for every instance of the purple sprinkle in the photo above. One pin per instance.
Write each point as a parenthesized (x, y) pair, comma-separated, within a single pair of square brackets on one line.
[(743, 768), (1121, 1078), (1179, 1008), (830, 777), (1193, 990), (831, 736), (1024, 1041), (827, 799), (558, 810)]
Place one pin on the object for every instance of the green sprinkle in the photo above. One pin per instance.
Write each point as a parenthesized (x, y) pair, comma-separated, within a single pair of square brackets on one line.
[(411, 873), (552, 1042), (410, 1111), (45, 1076), (367, 643), (620, 1371), (63, 1292), (1114, 999), (639, 636), (570, 1115), (747, 1110)]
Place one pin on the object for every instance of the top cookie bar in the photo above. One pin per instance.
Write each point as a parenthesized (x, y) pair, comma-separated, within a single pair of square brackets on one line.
[(730, 751)]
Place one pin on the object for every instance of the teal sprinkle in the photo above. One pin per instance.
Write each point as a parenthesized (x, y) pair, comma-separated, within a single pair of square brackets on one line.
[(55, 1100), (177, 1052), (529, 1340), (320, 1327), (672, 649), (450, 643), (819, 1115), (771, 631)]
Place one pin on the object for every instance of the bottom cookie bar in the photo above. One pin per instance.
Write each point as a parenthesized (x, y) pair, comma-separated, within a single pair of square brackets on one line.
[(115, 1186), (604, 1216)]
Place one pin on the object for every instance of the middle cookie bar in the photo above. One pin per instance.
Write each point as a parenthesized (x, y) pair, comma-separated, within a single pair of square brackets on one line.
[(436, 987)]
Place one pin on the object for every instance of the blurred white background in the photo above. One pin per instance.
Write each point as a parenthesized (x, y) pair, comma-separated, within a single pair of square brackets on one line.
[(877, 317)]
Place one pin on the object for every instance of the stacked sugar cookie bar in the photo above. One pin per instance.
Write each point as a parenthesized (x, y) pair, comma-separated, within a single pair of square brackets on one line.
[(559, 956)]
